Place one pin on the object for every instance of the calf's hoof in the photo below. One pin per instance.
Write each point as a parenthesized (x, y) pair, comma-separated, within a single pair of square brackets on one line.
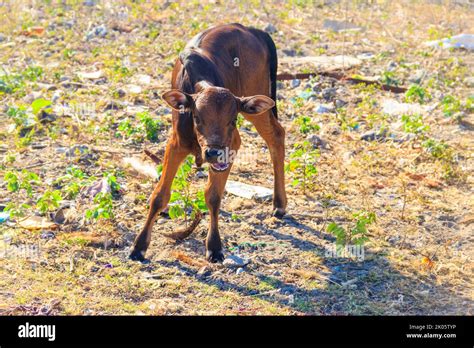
[(214, 256), (279, 212), (137, 255)]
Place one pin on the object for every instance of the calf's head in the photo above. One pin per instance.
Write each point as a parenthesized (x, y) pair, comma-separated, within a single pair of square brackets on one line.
[(214, 111)]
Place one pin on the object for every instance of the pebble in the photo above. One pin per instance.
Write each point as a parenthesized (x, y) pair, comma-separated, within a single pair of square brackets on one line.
[(295, 83), (270, 28), (2, 38), (391, 66), (235, 261), (373, 135), (48, 235), (204, 272), (72, 151), (317, 141), (417, 76), (340, 103), (469, 81), (329, 93), (56, 96), (324, 108), (289, 53), (239, 270)]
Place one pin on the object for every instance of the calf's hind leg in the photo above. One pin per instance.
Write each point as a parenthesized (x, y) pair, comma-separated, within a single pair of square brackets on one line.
[(273, 133)]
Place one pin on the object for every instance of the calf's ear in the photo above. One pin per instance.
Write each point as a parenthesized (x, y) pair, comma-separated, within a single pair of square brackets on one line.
[(256, 104), (178, 100)]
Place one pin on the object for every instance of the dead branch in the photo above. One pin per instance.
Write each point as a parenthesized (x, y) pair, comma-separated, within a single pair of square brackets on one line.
[(186, 232), (341, 77)]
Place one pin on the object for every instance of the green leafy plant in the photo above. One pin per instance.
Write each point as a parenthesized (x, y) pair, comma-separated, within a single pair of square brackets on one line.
[(49, 201), (71, 183), (103, 207), (150, 125), (302, 165), (19, 116), (388, 78), (416, 93), (355, 234), (450, 105), (435, 148), (14, 82), (443, 153), (306, 124), (22, 180), (414, 124), (147, 128), (39, 105), (181, 200), (17, 210)]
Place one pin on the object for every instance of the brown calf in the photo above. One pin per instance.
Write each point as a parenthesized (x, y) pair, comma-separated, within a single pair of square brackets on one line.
[(215, 68)]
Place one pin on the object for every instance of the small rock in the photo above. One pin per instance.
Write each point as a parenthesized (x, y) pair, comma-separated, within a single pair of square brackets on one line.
[(143, 79), (59, 216), (38, 145), (89, 3), (93, 75), (29, 98), (349, 282), (374, 135), (232, 261), (270, 28), (324, 108), (77, 149), (100, 31), (2, 38), (56, 96), (391, 66), (69, 24), (204, 272), (417, 76), (469, 81), (317, 141), (340, 26), (340, 103), (366, 55), (248, 191), (329, 93), (316, 87), (347, 156), (239, 270), (201, 174), (121, 93), (133, 89), (290, 53), (46, 117), (48, 235), (295, 83), (465, 41)]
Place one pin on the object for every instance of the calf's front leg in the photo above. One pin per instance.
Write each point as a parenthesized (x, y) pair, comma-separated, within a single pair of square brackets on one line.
[(160, 197), (213, 194)]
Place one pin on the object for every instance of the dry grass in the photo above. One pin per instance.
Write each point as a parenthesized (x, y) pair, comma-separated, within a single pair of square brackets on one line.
[(418, 259)]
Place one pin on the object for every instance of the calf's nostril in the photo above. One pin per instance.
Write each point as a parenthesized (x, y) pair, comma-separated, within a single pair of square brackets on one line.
[(212, 154)]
